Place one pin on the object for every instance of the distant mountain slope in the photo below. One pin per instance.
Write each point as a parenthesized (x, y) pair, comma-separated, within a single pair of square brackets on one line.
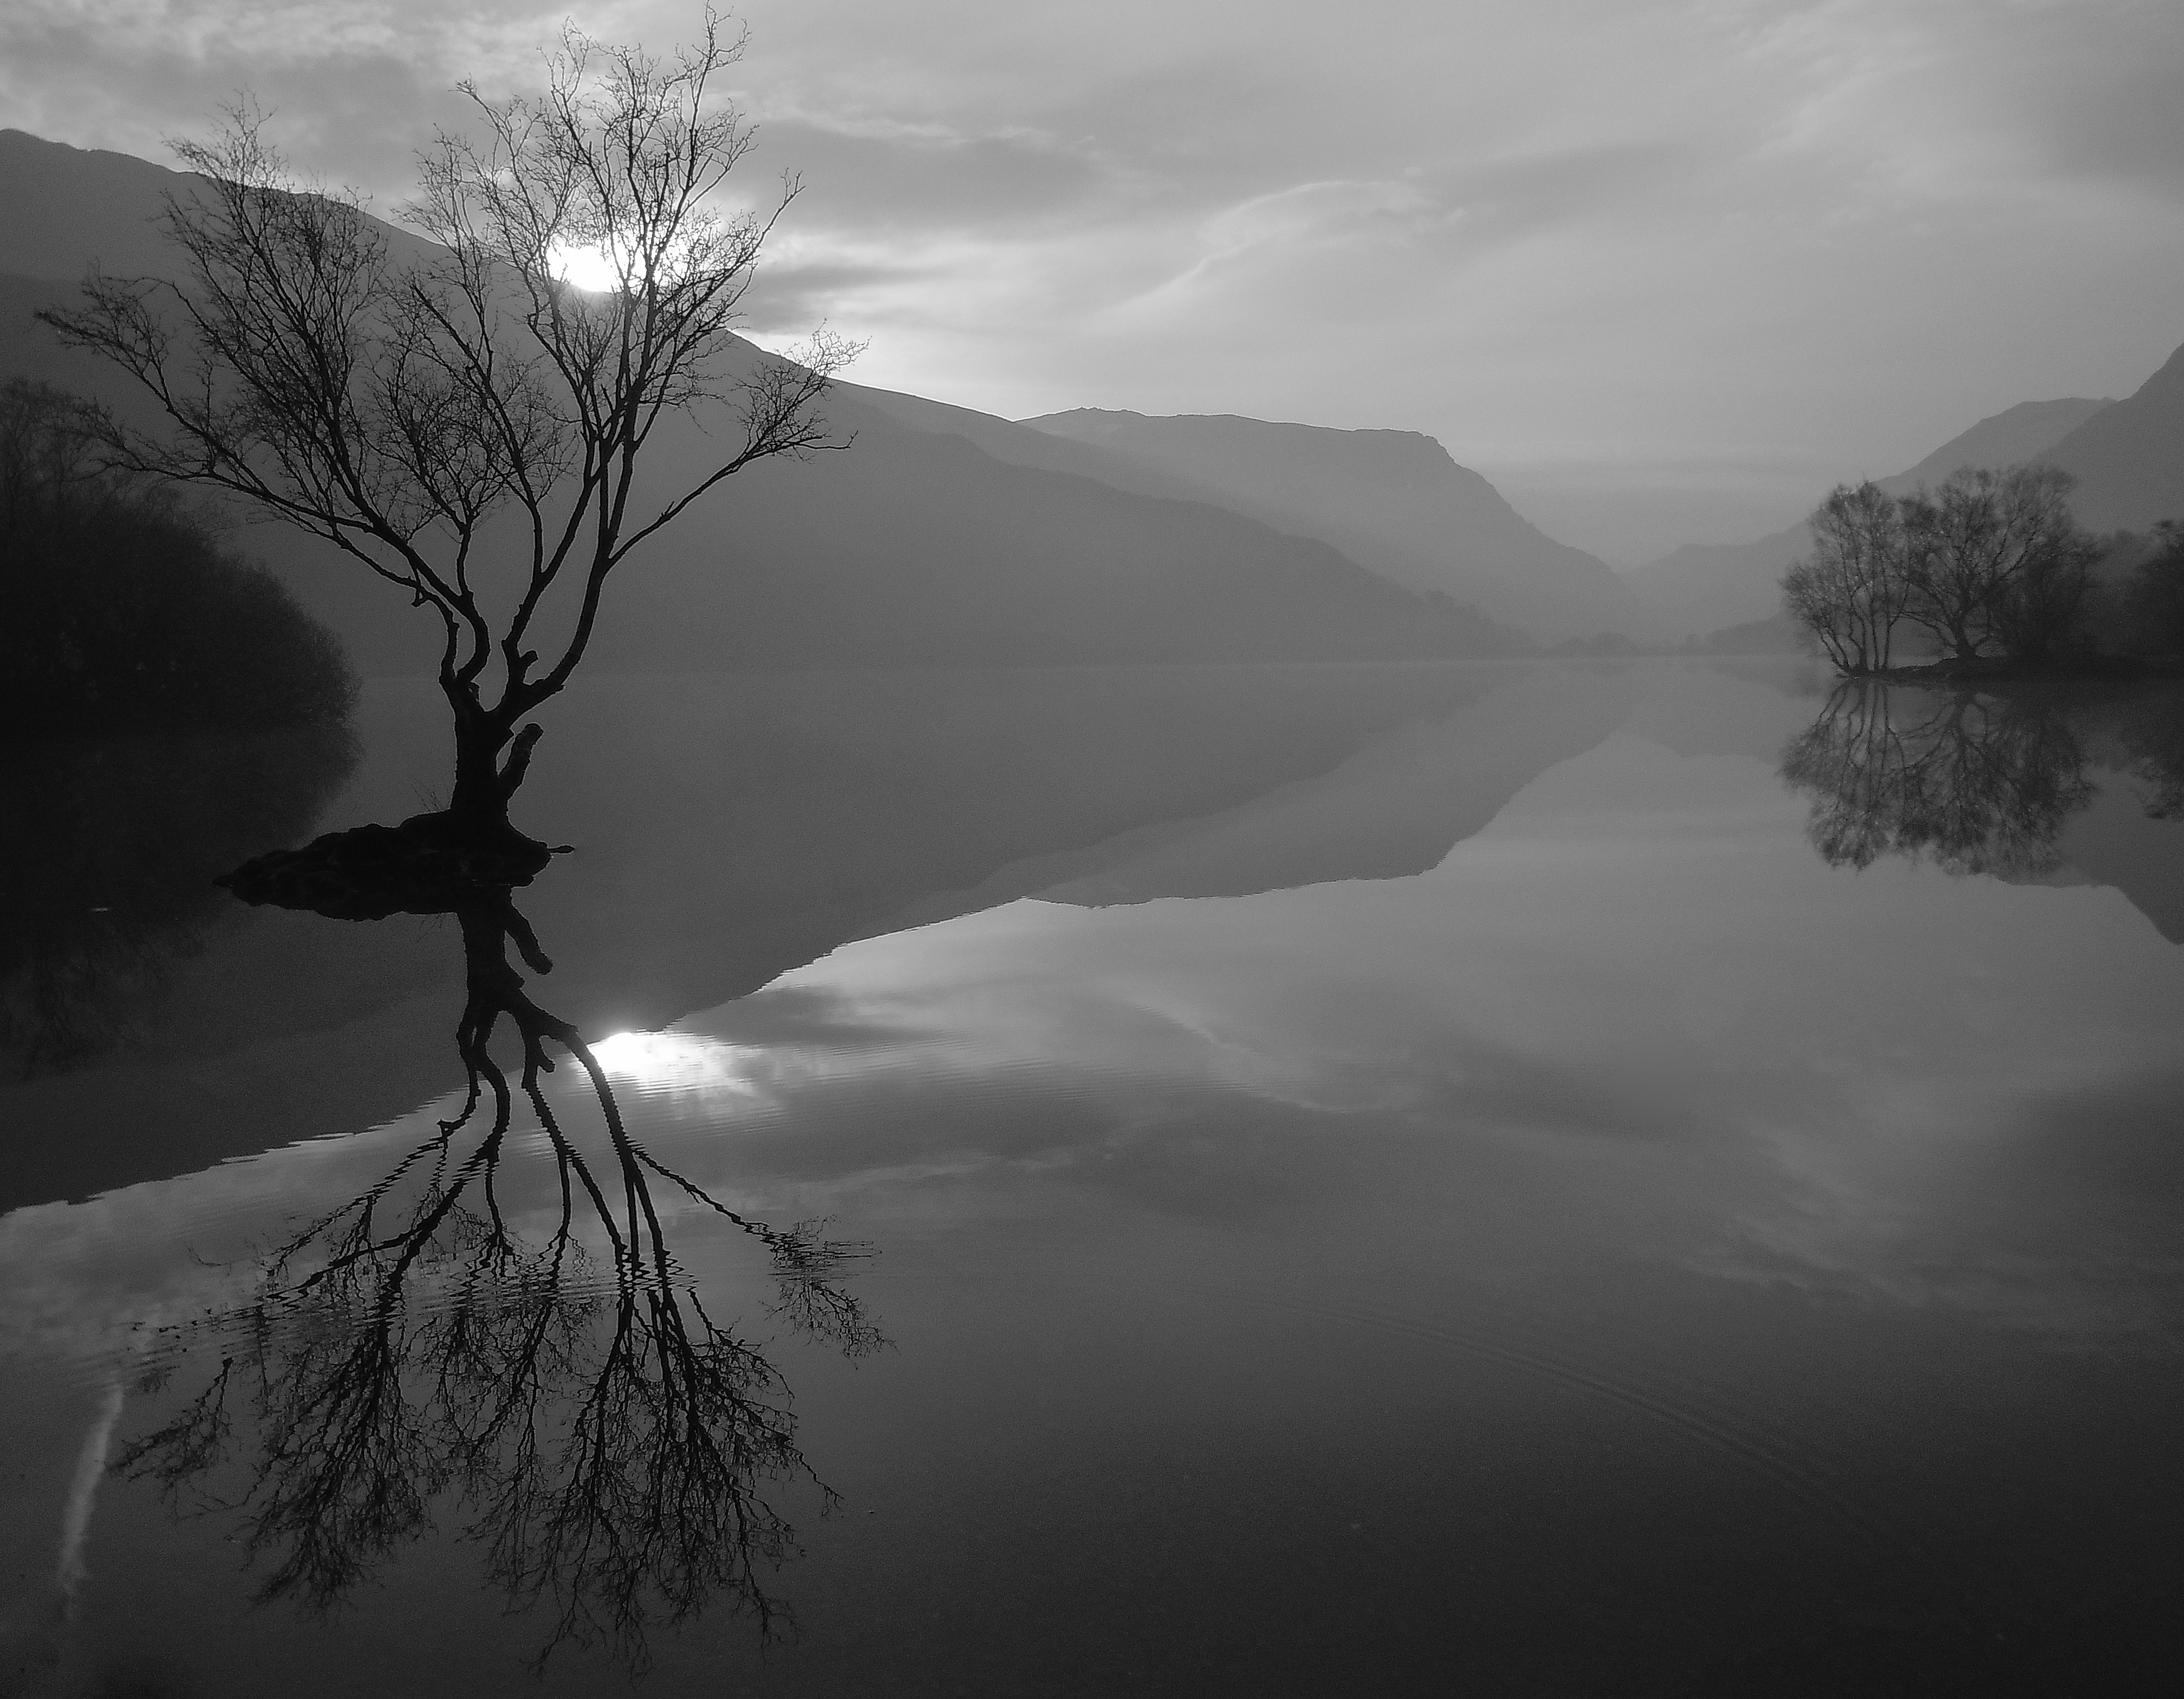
[(1704, 587), (1391, 500), (1025, 445), (63, 208), (1707, 587), (916, 546), (2129, 459), (2009, 438)]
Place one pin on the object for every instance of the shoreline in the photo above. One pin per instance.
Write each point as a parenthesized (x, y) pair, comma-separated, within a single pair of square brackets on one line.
[(2002, 670)]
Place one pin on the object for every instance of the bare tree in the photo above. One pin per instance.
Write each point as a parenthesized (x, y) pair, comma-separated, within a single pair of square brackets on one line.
[(1851, 591), (1989, 557), (1996, 557), (458, 416), (2155, 602)]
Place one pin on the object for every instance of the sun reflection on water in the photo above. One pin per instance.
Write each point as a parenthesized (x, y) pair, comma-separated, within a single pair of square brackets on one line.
[(674, 1061)]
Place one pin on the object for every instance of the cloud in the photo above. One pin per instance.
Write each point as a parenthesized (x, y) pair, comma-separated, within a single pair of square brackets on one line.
[(1328, 215), (884, 180), (355, 86), (1833, 232)]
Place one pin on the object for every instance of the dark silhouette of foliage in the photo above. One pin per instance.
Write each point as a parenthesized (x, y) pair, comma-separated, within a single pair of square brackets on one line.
[(455, 415), (1974, 783), (2155, 600), (108, 850), (121, 610), (1851, 591), (604, 1442), (1988, 557), (1995, 557)]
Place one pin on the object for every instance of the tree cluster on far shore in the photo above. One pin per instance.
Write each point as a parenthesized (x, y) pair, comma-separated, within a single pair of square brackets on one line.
[(2152, 604), (121, 610), (1992, 563)]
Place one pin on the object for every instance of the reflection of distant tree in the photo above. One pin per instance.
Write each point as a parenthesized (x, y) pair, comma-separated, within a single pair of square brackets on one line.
[(1975, 783), (108, 850), (2154, 733), (607, 1442)]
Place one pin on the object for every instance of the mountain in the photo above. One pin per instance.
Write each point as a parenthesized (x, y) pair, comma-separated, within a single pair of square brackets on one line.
[(1704, 587), (64, 208), (1023, 444), (2008, 438), (1391, 500), (916, 546), (2129, 459), (919, 547)]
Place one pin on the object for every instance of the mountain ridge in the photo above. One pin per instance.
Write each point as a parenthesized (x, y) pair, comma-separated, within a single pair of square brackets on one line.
[(2129, 457), (1705, 587), (917, 548), (1394, 501)]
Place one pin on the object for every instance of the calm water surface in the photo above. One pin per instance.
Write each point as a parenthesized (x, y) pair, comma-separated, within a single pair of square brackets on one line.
[(1495, 1178)]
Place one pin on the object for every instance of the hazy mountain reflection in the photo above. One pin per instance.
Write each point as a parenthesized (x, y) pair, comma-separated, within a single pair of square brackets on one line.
[(551, 1377), (731, 829)]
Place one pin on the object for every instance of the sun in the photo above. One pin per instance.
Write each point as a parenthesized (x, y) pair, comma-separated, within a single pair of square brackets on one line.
[(587, 266)]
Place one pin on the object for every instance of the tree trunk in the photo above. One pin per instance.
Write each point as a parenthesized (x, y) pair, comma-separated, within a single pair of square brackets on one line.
[(480, 801), (490, 759)]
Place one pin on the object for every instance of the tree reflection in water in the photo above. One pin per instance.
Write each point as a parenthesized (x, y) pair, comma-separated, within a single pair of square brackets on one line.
[(608, 1442), (1975, 783), (2154, 733)]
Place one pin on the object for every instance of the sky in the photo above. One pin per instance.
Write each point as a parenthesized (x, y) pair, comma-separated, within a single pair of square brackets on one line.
[(1663, 270)]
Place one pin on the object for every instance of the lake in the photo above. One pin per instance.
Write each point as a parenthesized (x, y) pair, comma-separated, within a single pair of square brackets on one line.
[(1510, 1177)]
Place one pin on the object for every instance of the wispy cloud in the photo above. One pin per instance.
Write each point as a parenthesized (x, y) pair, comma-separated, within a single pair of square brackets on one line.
[(1837, 229)]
